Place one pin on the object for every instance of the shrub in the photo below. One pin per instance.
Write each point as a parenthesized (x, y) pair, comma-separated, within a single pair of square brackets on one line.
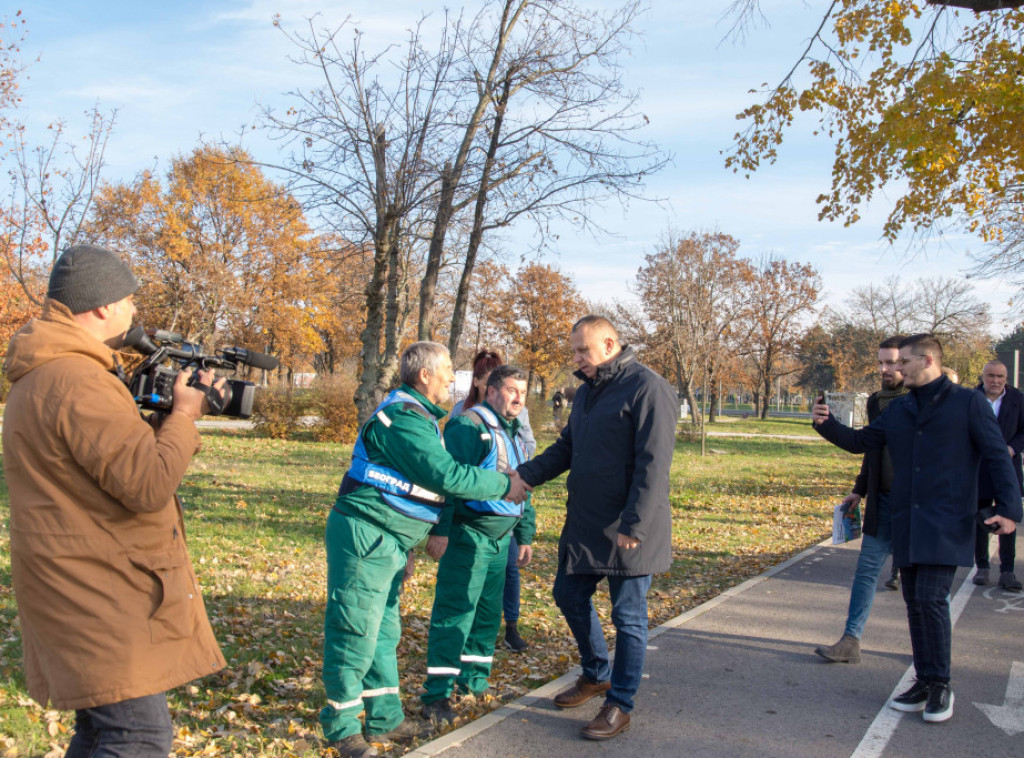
[(331, 403), (277, 411)]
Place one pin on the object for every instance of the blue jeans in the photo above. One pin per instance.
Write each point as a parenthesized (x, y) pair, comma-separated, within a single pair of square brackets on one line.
[(573, 593), (510, 600), (873, 553), (136, 728)]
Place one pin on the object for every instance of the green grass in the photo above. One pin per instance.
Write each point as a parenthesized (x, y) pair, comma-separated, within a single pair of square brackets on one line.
[(255, 515), (799, 427)]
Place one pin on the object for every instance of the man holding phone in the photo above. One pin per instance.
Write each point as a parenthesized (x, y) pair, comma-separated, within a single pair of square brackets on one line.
[(938, 435), (873, 481)]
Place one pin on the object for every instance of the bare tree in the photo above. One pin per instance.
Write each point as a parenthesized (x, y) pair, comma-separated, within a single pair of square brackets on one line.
[(51, 192), (560, 136), (361, 155), (570, 135)]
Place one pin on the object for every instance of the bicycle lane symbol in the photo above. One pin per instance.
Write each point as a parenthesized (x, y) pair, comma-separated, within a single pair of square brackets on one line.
[(1008, 602)]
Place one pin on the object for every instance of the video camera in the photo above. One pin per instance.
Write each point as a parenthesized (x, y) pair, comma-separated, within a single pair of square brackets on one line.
[(151, 383)]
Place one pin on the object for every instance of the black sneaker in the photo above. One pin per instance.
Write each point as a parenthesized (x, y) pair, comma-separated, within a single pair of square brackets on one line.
[(914, 699), (439, 711), (894, 581), (940, 702), (513, 641)]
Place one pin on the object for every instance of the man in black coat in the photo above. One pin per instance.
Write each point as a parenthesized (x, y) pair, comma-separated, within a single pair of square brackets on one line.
[(873, 481), (617, 447), (1007, 404), (937, 434)]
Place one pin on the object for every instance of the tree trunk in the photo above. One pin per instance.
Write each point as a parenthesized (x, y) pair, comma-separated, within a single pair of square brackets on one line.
[(428, 285), (477, 233), (692, 402)]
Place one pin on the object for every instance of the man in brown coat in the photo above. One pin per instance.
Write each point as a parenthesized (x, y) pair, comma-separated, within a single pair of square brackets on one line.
[(110, 610)]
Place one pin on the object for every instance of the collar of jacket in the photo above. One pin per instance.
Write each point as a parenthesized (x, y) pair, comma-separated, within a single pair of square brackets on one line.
[(437, 410), (607, 370), (927, 397), (54, 334)]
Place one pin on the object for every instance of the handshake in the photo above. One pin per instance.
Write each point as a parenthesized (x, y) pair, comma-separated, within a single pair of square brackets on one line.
[(519, 490)]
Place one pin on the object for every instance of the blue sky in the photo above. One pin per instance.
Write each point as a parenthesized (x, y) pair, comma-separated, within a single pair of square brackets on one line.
[(181, 71)]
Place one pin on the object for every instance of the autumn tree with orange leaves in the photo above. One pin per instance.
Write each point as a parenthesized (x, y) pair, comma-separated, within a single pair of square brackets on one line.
[(780, 295), (692, 289), (543, 304), (225, 255)]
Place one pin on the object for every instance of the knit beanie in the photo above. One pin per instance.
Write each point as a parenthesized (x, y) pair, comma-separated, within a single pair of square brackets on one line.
[(88, 276)]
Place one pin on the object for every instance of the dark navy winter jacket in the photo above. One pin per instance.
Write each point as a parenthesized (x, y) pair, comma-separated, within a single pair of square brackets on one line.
[(936, 451), (618, 449)]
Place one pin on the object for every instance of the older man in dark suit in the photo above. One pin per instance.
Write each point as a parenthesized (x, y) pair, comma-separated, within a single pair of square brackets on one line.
[(937, 434), (1007, 405)]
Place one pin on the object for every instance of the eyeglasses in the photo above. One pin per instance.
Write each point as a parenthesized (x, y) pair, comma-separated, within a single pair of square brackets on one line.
[(905, 361)]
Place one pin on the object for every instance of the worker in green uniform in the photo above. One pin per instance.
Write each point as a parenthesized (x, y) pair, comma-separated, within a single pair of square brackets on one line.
[(391, 496), (473, 547)]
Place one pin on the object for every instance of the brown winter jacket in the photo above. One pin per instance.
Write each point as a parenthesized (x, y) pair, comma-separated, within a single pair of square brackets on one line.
[(109, 605)]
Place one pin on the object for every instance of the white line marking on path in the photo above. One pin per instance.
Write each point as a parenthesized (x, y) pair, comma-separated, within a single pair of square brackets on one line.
[(885, 723), (1010, 715)]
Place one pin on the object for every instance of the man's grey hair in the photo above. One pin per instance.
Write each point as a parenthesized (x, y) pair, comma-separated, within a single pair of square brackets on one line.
[(419, 356)]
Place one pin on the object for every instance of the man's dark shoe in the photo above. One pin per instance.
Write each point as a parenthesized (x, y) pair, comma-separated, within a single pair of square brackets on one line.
[(354, 746), (981, 577), (610, 720), (894, 580), (439, 711), (914, 699), (1008, 581), (940, 702), (579, 693), (410, 729), (847, 650), (513, 641)]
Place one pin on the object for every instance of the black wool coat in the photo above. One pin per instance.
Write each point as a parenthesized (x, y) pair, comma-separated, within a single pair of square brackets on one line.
[(936, 452), (617, 447), (1011, 424)]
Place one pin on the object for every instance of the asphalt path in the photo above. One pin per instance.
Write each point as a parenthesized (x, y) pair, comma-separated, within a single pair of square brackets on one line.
[(737, 676)]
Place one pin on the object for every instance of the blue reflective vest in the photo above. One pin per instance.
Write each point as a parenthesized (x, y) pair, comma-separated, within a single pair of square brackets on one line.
[(395, 488), (504, 457)]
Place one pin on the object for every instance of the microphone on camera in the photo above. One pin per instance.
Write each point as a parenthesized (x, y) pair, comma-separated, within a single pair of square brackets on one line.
[(250, 358)]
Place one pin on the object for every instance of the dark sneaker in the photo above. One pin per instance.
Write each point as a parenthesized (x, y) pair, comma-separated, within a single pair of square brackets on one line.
[(579, 693), (354, 746), (981, 577), (1008, 581), (439, 711), (513, 641), (610, 721), (894, 581), (847, 650), (914, 699), (940, 702), (409, 729)]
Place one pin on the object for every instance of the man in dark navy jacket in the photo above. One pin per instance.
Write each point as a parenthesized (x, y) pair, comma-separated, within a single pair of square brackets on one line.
[(1007, 404), (937, 434), (618, 449)]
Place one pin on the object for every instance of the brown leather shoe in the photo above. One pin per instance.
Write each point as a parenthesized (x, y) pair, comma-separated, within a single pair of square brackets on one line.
[(610, 720), (582, 691)]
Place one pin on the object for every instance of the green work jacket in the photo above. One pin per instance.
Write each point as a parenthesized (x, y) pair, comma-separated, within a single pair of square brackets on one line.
[(409, 443), (468, 440)]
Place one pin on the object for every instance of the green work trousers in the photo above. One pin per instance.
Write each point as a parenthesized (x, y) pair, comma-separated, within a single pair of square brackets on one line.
[(467, 613), (361, 628)]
